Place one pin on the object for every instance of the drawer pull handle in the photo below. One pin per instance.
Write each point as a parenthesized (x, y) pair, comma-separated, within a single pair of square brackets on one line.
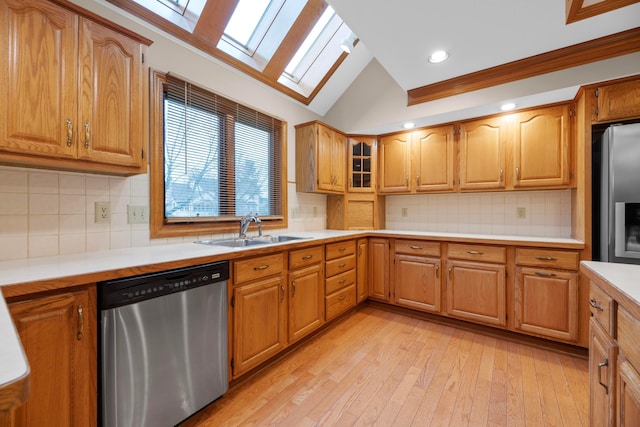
[(261, 267), (69, 132), (341, 297), (80, 322), (475, 252), (594, 303), (600, 366), (293, 288), (546, 258), (342, 265), (342, 281), (307, 257), (415, 247), (541, 274), (342, 249)]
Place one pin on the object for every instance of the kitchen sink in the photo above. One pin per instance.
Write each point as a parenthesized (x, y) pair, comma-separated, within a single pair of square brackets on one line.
[(238, 242)]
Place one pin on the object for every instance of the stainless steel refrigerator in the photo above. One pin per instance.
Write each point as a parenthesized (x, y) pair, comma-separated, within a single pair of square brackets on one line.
[(617, 195)]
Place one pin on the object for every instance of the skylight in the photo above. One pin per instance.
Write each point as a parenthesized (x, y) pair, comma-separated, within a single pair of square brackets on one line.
[(310, 40), (245, 20)]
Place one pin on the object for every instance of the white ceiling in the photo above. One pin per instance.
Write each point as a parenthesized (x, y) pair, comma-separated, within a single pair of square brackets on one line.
[(400, 34)]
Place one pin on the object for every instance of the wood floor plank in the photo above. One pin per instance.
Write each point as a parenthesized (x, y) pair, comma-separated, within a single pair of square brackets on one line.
[(381, 368)]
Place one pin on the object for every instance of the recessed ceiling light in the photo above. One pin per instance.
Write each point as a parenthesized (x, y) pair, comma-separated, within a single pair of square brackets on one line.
[(409, 125), (508, 106), (438, 56)]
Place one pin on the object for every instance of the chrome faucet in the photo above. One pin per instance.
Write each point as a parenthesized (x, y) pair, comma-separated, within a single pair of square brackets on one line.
[(244, 224)]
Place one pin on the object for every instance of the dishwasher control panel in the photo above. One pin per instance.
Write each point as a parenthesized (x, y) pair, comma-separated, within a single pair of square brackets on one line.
[(118, 292)]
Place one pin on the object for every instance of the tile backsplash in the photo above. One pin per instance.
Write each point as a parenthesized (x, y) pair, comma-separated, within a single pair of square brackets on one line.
[(45, 213), (519, 213)]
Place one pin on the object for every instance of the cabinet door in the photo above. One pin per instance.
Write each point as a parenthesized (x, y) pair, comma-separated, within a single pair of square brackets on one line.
[(339, 162), (111, 120), (417, 282), (546, 303), (362, 165), (628, 412), (618, 101), (362, 270), (259, 323), (603, 353), (38, 75), (379, 269), (394, 161), (542, 147), (306, 301), (482, 154), (476, 291), (434, 150), (58, 334)]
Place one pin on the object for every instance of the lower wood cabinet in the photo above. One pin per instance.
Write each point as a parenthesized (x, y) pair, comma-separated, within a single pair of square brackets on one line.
[(59, 336), (306, 292), (628, 394), (379, 269), (259, 322), (476, 291), (340, 277), (362, 265), (417, 282), (546, 303), (603, 352)]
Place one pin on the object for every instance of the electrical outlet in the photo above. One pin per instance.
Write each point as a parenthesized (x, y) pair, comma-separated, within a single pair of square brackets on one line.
[(103, 212), (137, 214), (405, 212), (521, 213)]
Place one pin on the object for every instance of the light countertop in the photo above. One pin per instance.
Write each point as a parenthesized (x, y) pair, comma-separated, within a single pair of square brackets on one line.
[(625, 278), (13, 363)]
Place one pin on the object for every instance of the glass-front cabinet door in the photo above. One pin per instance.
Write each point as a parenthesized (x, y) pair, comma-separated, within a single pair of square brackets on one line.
[(362, 164)]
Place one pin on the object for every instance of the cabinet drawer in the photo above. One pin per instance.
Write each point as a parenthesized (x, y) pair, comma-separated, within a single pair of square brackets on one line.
[(602, 308), (306, 256), (495, 254), (567, 260), (417, 247), (340, 281), (256, 268), (629, 336), (340, 265), (340, 249), (341, 301)]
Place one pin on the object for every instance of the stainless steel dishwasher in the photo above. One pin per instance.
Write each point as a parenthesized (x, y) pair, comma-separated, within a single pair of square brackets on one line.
[(163, 345)]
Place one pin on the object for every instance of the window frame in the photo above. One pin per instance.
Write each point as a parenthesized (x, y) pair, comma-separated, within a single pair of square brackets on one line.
[(159, 226)]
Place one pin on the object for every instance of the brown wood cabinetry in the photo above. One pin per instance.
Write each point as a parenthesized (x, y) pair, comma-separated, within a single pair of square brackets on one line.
[(628, 378), (362, 265), (321, 154), (541, 147), (340, 272), (306, 292), (603, 353), (355, 211), (362, 164), (546, 297), (379, 269), (417, 282), (259, 301), (483, 150), (59, 336), (617, 101), (72, 93), (417, 161), (476, 290)]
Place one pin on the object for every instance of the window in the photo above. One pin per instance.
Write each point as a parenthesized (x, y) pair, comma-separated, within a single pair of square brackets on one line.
[(214, 161)]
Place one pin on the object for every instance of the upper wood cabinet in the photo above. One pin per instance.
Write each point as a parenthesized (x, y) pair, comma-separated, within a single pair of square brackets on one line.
[(362, 164), (483, 154), (72, 91), (394, 157), (617, 101), (417, 161), (541, 147), (321, 154)]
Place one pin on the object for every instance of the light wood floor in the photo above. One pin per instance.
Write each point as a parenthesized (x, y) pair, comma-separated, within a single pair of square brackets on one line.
[(386, 369)]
